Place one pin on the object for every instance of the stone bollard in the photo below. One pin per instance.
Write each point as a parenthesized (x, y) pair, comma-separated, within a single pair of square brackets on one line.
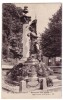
[(22, 86), (43, 84)]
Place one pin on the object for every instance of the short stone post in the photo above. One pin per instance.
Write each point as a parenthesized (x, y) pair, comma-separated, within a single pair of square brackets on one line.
[(43, 84), (22, 86)]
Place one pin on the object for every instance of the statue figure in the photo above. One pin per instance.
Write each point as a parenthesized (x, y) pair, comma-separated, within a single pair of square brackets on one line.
[(34, 47)]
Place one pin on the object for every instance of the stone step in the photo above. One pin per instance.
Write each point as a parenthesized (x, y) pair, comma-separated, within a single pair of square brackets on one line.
[(9, 87), (52, 76), (7, 67), (53, 88), (57, 82), (22, 60)]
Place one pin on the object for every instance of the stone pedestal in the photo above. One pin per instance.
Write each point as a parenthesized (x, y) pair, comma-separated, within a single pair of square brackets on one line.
[(26, 43)]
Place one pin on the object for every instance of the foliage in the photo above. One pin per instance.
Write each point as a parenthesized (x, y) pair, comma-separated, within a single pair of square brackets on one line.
[(18, 72), (11, 27), (51, 38)]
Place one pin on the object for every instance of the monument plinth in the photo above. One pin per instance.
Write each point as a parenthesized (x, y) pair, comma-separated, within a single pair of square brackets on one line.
[(25, 20)]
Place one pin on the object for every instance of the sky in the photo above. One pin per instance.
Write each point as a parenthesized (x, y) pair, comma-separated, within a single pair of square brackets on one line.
[(42, 12)]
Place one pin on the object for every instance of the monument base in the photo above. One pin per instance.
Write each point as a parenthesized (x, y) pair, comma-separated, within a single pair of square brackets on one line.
[(33, 82), (32, 85)]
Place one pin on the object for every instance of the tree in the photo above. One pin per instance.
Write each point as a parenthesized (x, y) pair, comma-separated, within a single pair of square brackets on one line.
[(51, 38), (11, 27)]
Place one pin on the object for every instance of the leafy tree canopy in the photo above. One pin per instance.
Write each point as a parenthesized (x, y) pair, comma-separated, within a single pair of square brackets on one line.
[(51, 38)]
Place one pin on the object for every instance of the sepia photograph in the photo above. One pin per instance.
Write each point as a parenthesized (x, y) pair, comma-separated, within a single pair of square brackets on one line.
[(31, 50)]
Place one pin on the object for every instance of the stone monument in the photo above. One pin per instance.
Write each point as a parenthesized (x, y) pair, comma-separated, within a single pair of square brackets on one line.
[(25, 20), (29, 41)]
